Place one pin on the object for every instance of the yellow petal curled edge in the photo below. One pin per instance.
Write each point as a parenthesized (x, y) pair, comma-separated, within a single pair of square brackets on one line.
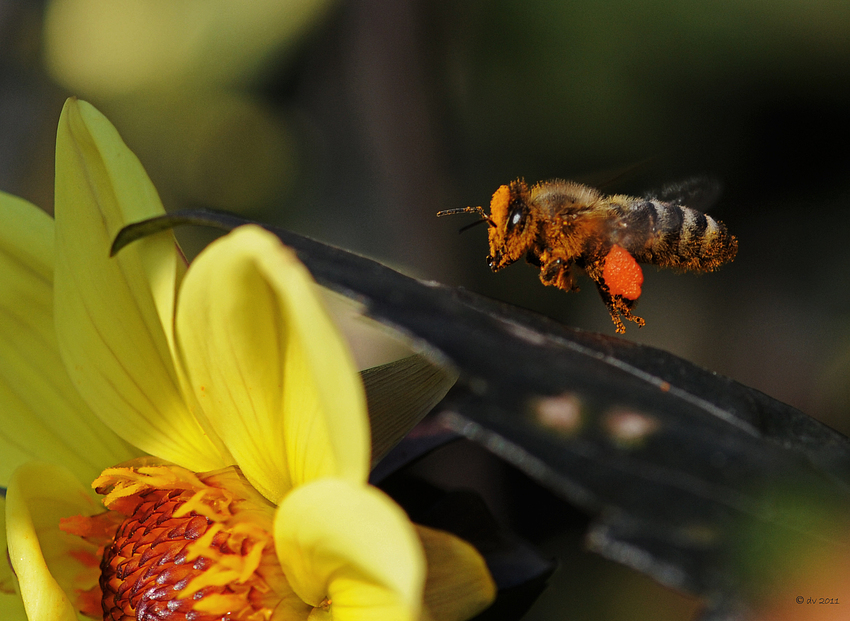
[(11, 604), (459, 585), (44, 416), (350, 548), (39, 495), (270, 371), (110, 312)]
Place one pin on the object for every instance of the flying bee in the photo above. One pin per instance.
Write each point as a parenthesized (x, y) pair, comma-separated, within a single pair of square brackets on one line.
[(557, 224)]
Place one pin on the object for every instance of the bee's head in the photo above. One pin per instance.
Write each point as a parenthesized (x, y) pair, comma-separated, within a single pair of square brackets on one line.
[(512, 228)]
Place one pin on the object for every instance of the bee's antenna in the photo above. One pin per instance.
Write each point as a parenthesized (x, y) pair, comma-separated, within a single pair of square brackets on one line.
[(479, 210), (476, 223)]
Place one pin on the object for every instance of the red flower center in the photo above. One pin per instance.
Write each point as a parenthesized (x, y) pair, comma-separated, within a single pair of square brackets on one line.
[(176, 546)]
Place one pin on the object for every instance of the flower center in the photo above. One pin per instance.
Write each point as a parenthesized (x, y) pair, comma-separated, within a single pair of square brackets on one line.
[(178, 546), (146, 566)]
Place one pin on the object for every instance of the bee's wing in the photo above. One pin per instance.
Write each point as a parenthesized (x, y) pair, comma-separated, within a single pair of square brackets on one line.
[(699, 193)]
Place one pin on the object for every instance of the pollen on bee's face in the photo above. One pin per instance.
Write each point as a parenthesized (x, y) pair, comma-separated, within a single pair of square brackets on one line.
[(180, 546)]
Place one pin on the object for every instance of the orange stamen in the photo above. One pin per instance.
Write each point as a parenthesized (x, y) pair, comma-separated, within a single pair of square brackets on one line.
[(180, 546)]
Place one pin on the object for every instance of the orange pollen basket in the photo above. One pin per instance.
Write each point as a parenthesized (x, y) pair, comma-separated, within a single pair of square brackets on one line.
[(178, 546), (622, 273)]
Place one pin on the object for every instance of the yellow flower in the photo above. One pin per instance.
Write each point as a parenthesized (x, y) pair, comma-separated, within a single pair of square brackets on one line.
[(232, 379)]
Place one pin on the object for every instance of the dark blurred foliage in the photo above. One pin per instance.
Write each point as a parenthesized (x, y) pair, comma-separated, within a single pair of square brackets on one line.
[(398, 109)]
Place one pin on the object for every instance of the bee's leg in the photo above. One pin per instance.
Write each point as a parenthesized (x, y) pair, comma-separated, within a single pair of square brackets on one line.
[(617, 304), (556, 273)]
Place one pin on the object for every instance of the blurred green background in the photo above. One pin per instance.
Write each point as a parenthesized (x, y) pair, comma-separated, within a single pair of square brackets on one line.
[(356, 122)]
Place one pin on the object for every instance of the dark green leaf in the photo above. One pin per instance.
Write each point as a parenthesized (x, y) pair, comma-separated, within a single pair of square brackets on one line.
[(706, 485)]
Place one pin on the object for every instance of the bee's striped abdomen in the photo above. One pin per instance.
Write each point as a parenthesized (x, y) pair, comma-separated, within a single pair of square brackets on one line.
[(679, 237)]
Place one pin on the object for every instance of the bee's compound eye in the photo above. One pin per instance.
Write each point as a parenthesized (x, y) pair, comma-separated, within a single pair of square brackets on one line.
[(516, 218)]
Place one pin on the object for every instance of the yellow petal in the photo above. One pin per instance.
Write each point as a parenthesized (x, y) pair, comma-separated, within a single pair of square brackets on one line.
[(271, 373), (399, 395), (459, 585), (353, 546), (11, 604), (44, 416), (38, 496), (110, 312)]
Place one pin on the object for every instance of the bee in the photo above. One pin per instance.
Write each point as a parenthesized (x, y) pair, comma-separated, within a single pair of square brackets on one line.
[(557, 224)]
